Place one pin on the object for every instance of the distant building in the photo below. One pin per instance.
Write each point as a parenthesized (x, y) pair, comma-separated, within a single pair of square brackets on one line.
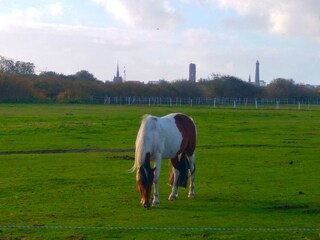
[(117, 78), (257, 76), (157, 82), (249, 79), (135, 82), (312, 86), (262, 83), (192, 72)]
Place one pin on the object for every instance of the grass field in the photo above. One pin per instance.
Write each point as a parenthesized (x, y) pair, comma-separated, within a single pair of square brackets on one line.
[(67, 165)]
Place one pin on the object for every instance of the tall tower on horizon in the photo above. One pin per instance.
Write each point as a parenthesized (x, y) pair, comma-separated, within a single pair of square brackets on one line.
[(117, 78), (257, 76), (192, 72)]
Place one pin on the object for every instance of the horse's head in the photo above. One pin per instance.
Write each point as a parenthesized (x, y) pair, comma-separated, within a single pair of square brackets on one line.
[(145, 175)]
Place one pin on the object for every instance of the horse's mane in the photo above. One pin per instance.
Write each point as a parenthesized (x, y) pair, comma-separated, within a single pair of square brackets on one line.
[(148, 123)]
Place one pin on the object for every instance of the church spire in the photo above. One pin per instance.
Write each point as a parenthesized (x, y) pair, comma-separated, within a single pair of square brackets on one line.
[(117, 77)]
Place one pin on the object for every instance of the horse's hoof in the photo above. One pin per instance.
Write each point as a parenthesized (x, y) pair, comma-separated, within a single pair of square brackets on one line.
[(146, 205), (191, 195), (172, 197), (155, 204)]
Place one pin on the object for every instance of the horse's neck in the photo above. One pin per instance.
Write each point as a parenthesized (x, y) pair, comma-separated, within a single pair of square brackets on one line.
[(147, 143), (147, 138)]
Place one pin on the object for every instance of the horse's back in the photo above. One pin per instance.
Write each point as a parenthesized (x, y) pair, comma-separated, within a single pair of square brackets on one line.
[(167, 135), (180, 132)]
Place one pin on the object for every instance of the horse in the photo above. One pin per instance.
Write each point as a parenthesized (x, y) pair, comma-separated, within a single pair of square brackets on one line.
[(172, 136)]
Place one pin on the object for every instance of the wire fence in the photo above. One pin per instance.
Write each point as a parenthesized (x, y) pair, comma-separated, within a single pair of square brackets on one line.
[(105, 228), (221, 102)]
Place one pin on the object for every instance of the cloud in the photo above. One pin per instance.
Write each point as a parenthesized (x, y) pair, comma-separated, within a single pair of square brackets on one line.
[(20, 18), (30, 17), (56, 8), (294, 18), (69, 48), (148, 14)]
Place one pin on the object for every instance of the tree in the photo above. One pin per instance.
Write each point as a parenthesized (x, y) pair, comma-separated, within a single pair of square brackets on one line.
[(84, 75), (19, 67), (49, 74), (280, 87), (7, 65), (185, 88), (14, 88), (286, 88), (228, 86), (25, 68)]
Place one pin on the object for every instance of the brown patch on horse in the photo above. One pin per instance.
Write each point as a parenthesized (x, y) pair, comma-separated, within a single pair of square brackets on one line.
[(187, 129), (188, 144)]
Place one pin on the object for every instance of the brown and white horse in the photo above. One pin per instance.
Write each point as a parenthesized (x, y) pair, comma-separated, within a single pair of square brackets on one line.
[(172, 136)]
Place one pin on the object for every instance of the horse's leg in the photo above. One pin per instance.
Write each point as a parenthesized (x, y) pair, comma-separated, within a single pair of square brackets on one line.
[(192, 173), (157, 165), (174, 193)]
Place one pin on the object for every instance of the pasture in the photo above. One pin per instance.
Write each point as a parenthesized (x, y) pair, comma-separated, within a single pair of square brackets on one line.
[(67, 166)]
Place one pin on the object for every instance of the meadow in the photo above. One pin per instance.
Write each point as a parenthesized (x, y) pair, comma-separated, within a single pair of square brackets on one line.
[(67, 166)]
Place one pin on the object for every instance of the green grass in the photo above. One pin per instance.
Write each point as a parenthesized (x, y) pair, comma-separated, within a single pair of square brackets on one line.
[(255, 168)]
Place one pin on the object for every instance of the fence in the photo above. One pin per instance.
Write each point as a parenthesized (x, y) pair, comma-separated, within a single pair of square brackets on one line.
[(216, 229), (299, 103)]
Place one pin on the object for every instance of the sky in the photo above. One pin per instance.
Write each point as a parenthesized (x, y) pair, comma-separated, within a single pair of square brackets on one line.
[(158, 39)]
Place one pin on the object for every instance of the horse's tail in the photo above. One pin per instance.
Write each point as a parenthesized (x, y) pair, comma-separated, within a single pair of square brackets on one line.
[(183, 167)]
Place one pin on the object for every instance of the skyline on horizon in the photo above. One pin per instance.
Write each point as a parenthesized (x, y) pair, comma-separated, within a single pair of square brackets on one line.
[(158, 39)]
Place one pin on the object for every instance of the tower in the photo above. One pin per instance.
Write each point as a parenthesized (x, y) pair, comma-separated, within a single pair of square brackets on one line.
[(257, 77), (118, 70), (117, 78), (192, 72)]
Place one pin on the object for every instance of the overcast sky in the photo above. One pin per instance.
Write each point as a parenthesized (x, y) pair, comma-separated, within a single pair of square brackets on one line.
[(157, 39)]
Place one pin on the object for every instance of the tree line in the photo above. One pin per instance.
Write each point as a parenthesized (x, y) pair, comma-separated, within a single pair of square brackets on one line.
[(19, 83)]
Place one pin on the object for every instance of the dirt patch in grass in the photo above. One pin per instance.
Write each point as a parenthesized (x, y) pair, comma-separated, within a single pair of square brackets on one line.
[(124, 157), (289, 207), (77, 237), (56, 151)]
